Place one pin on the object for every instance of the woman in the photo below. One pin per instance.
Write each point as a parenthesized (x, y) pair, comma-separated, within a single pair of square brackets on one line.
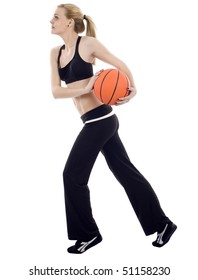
[(72, 63)]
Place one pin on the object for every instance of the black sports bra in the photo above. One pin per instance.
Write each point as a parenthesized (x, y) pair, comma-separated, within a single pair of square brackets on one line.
[(77, 69)]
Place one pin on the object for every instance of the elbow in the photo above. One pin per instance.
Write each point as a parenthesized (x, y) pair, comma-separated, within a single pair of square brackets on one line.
[(54, 95), (55, 92)]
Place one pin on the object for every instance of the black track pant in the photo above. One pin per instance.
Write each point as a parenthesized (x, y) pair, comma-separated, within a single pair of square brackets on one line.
[(103, 136)]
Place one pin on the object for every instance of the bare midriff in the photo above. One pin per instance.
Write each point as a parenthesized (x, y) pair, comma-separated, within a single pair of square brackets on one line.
[(86, 102)]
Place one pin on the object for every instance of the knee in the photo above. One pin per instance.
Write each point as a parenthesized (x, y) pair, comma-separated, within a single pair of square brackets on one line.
[(66, 173), (73, 181), (67, 177), (70, 179)]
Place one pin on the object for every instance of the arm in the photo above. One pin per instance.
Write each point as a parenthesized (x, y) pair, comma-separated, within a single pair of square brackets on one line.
[(101, 52), (57, 90)]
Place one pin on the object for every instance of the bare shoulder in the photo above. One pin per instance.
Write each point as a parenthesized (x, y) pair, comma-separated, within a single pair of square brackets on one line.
[(88, 40), (91, 43), (54, 52)]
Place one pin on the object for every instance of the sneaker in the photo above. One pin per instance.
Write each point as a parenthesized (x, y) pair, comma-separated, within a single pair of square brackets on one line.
[(164, 236), (82, 246)]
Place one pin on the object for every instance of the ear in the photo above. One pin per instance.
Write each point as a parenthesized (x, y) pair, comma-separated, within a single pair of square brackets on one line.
[(71, 22)]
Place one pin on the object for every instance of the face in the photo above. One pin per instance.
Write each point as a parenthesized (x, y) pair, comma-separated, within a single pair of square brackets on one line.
[(59, 22)]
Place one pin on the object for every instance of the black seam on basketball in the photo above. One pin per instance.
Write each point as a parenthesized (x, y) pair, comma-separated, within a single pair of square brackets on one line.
[(102, 84), (115, 87)]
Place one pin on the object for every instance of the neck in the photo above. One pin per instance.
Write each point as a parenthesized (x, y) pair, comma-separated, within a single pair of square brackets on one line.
[(70, 39)]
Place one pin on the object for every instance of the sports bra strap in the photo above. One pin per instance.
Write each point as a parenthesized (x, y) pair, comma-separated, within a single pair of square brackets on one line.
[(77, 44), (63, 46), (59, 54)]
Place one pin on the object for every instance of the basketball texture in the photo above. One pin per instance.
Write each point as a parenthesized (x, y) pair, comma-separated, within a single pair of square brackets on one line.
[(110, 85)]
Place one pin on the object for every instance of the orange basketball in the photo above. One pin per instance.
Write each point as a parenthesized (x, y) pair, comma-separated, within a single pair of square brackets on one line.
[(110, 85)]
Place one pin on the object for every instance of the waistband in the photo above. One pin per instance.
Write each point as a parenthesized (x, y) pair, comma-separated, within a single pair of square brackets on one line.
[(97, 113), (100, 118)]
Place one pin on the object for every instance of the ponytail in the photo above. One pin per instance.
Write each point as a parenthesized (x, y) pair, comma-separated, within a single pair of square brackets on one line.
[(74, 12), (91, 28)]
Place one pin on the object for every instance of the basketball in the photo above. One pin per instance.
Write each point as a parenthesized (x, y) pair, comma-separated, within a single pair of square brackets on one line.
[(110, 85)]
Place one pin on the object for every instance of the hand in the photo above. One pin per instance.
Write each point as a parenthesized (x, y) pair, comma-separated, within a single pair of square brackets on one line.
[(90, 85), (131, 93)]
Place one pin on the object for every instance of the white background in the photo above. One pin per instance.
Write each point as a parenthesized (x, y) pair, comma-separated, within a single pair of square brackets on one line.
[(158, 41)]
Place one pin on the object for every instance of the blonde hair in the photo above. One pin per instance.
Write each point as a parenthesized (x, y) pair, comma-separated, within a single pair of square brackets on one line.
[(75, 13)]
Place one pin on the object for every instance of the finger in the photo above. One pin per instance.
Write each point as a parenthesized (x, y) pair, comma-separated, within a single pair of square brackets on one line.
[(133, 90), (120, 102), (126, 98)]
